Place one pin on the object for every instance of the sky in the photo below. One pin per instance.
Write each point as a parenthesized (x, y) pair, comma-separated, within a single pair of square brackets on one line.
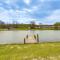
[(25, 11)]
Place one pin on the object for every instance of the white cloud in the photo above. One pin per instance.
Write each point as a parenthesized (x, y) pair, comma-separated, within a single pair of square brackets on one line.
[(54, 17), (10, 1), (21, 16), (4, 14), (47, 0), (32, 10), (26, 14), (27, 1), (10, 4), (42, 0)]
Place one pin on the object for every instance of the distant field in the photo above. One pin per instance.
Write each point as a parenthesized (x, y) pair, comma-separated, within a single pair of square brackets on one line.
[(41, 51)]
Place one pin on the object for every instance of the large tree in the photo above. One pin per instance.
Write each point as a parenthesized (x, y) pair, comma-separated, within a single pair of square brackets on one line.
[(32, 24), (57, 25), (2, 24)]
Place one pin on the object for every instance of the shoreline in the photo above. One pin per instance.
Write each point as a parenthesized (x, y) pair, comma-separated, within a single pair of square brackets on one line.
[(23, 29), (31, 43)]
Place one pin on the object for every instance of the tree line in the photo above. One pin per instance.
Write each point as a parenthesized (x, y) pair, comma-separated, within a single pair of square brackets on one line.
[(32, 25)]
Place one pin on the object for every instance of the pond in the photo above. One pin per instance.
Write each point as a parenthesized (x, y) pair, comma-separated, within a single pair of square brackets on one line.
[(7, 37)]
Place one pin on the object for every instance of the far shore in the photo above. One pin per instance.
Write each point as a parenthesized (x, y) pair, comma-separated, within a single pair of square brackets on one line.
[(23, 29)]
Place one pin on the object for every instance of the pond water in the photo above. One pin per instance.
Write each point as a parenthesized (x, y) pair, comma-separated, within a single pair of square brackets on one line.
[(7, 37)]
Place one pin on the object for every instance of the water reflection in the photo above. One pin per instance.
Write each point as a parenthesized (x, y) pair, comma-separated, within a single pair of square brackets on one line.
[(18, 36), (31, 32)]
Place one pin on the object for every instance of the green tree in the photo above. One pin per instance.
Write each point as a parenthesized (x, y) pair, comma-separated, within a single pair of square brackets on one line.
[(32, 24), (57, 25)]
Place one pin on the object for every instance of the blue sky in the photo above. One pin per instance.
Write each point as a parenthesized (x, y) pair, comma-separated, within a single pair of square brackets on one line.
[(24, 11)]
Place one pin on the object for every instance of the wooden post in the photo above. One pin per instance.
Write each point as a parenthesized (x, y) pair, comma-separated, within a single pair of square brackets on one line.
[(37, 38), (27, 36), (24, 40)]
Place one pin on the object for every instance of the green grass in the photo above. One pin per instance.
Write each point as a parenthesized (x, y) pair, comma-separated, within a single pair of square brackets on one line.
[(41, 51), (4, 29)]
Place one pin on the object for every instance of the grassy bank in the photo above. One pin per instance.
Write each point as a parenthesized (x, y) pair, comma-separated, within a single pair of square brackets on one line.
[(24, 29), (42, 51)]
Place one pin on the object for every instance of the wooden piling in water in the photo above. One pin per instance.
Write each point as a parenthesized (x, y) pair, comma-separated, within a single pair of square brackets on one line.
[(37, 38), (27, 36), (24, 40), (32, 39)]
